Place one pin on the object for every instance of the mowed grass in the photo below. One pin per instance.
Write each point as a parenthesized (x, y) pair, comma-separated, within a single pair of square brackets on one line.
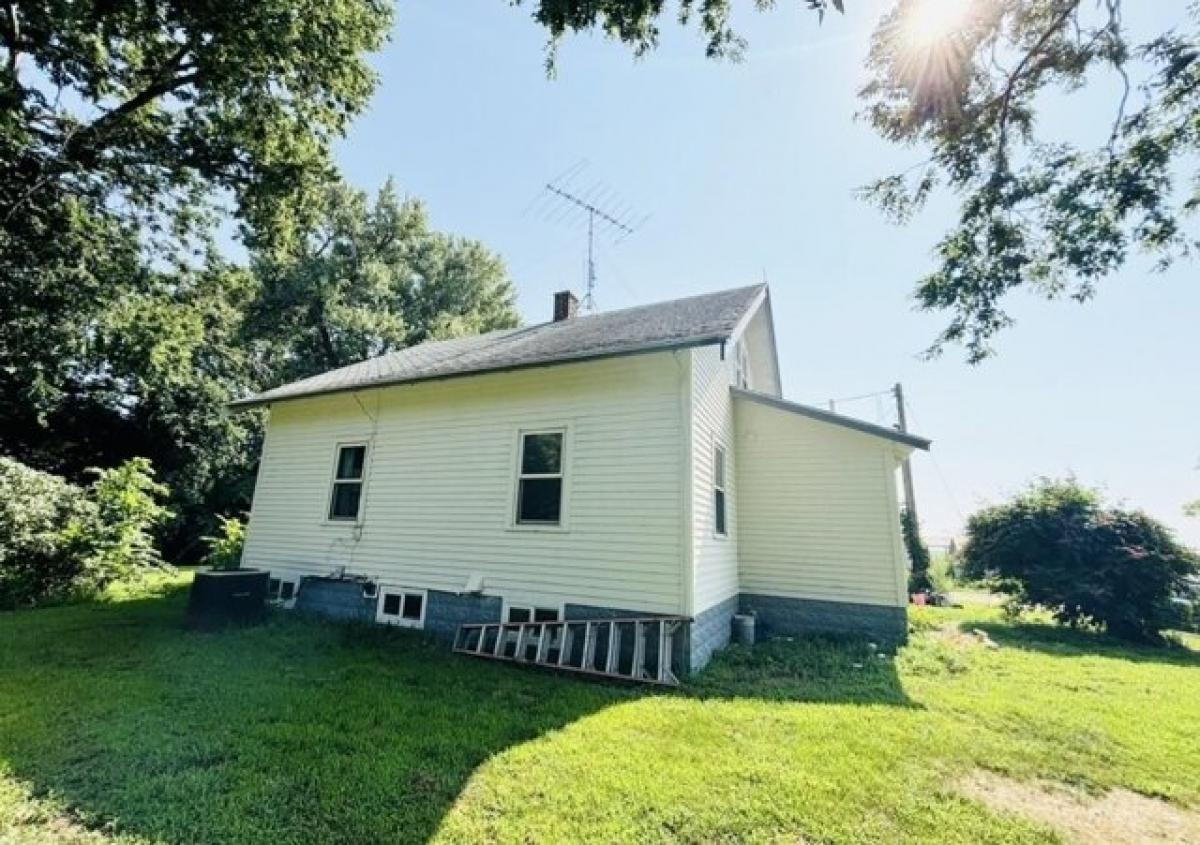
[(117, 724)]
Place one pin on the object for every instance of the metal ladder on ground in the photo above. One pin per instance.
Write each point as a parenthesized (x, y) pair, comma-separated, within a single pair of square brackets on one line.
[(640, 649)]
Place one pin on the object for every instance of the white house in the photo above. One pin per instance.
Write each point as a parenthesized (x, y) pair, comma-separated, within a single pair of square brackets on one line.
[(637, 462)]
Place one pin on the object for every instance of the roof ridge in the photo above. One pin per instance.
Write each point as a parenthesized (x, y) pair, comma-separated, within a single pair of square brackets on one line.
[(628, 308)]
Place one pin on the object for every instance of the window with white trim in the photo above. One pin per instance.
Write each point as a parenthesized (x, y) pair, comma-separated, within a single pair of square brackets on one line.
[(345, 499), (540, 478), (281, 589), (719, 517), (402, 607), (518, 613)]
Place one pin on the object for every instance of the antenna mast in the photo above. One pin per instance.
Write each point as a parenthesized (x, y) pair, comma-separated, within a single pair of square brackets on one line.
[(588, 204)]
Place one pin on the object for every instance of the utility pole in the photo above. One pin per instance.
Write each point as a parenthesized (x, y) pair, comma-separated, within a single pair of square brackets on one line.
[(910, 498)]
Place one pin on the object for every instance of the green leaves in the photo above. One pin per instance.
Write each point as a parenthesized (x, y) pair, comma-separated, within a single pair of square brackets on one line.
[(146, 112), (59, 541), (636, 23), (370, 278), (1057, 546)]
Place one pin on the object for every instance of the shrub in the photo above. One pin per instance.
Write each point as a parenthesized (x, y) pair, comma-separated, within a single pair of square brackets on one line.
[(918, 553), (61, 541), (225, 549), (127, 502), (42, 552), (1057, 546)]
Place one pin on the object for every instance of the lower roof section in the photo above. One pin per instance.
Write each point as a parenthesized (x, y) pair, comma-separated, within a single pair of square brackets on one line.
[(821, 415)]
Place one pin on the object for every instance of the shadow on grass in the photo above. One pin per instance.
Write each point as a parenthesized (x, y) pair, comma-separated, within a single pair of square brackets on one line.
[(304, 731), (1063, 641), (810, 669)]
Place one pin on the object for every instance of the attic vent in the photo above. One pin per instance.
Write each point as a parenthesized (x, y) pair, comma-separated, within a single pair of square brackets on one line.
[(566, 306)]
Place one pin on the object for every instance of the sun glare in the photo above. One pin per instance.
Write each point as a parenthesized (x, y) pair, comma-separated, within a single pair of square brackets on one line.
[(931, 42), (929, 23)]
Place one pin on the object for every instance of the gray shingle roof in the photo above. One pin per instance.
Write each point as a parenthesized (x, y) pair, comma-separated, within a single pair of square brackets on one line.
[(696, 320)]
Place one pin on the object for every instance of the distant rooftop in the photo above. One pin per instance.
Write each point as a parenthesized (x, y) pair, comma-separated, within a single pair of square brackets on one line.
[(693, 321)]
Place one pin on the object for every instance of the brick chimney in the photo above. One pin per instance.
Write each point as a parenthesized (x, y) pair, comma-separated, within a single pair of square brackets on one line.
[(566, 306)]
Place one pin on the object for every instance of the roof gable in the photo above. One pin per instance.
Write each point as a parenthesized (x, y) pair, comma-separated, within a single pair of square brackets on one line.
[(693, 321)]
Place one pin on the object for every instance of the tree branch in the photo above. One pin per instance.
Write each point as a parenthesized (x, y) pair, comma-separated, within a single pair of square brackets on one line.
[(1019, 72), (12, 37), (133, 104)]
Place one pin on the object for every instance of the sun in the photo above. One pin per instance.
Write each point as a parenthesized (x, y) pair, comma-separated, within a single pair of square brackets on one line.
[(928, 24), (931, 42)]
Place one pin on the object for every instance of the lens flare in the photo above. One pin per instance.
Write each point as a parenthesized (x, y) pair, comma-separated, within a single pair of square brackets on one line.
[(928, 24), (931, 42)]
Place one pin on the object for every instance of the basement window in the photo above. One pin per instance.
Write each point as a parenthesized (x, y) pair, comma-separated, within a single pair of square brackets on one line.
[(540, 478), (518, 613), (405, 608), (281, 590), (345, 499), (719, 524)]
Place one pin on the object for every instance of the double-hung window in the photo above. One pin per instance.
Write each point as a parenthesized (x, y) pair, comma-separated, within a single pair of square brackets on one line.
[(719, 524), (540, 478), (345, 499)]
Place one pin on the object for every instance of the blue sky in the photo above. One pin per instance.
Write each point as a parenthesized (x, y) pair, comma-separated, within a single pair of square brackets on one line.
[(751, 168)]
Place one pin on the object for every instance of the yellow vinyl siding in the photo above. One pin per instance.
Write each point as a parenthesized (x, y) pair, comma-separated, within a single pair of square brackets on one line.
[(817, 515), (438, 497), (715, 557)]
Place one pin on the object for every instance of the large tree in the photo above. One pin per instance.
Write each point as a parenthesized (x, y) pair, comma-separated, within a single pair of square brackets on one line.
[(964, 81), (367, 278), (125, 128), (128, 129)]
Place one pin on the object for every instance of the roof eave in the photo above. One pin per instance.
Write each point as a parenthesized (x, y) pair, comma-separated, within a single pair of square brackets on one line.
[(261, 400)]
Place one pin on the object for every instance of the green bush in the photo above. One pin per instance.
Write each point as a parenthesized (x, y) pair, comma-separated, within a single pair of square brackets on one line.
[(1057, 546), (42, 551), (127, 501), (59, 541), (918, 553), (225, 549)]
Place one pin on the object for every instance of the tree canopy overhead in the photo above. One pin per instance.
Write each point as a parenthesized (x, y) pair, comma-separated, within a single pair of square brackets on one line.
[(1036, 212), (636, 22), (964, 82), (135, 108)]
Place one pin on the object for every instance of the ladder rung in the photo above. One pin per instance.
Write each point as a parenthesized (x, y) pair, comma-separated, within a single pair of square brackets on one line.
[(589, 647), (539, 637), (564, 645)]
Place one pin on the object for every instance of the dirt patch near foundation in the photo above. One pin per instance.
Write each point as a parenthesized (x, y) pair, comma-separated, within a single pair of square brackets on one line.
[(1118, 816)]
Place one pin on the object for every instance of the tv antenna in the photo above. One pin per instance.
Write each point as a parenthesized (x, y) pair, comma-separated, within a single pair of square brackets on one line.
[(604, 212)]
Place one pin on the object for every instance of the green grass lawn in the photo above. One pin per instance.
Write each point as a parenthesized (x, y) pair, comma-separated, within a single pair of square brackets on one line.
[(116, 724)]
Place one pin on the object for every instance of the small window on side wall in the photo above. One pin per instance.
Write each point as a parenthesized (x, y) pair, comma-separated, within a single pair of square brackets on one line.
[(742, 366), (518, 613), (719, 524), (540, 478), (345, 499)]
